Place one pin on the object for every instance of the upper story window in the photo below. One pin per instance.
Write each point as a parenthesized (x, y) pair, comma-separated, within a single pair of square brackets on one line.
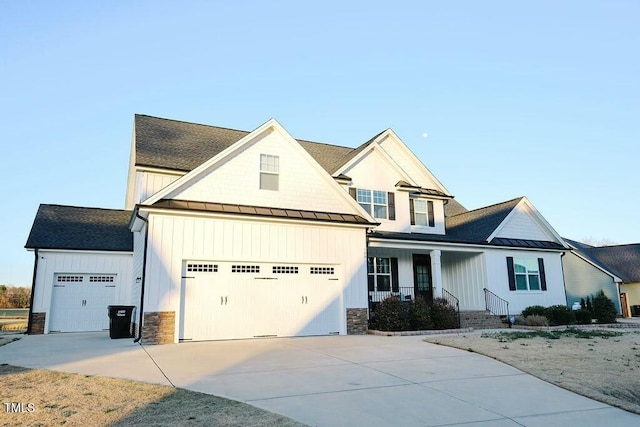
[(269, 172), (374, 202), (526, 274), (422, 213)]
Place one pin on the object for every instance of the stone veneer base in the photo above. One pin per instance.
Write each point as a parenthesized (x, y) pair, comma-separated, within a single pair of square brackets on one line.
[(158, 327), (357, 321)]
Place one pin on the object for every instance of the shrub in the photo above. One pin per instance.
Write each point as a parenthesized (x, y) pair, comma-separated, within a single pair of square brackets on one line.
[(559, 315), (532, 320), (420, 315), (536, 310), (583, 316), (391, 315), (603, 309), (443, 315)]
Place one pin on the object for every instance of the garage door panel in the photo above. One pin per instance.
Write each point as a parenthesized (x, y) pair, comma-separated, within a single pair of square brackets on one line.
[(260, 299)]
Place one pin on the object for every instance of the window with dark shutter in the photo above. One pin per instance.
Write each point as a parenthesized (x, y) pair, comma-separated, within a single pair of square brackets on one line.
[(412, 212), (395, 287), (430, 214), (391, 199), (353, 193), (511, 273), (543, 276)]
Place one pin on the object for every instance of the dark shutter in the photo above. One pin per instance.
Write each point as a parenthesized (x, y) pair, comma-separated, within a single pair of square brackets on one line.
[(353, 193), (543, 277), (371, 283), (432, 220), (511, 273), (412, 212), (395, 287), (391, 198)]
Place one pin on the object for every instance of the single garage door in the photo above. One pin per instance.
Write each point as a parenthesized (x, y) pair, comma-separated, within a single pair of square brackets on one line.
[(227, 300), (79, 302)]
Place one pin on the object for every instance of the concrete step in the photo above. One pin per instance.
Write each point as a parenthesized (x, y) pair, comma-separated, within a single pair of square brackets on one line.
[(481, 319)]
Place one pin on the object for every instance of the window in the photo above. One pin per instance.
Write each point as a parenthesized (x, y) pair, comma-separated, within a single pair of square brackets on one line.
[(423, 213), (202, 268), (321, 270), (374, 202), (70, 278), (245, 269), (379, 274), (269, 172), (284, 269), (526, 274)]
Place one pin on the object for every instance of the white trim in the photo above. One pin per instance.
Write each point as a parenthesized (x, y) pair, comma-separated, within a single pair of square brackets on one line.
[(160, 170), (537, 216), (375, 242), (80, 251)]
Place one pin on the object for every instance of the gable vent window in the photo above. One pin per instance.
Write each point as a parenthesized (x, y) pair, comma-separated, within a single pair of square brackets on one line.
[(422, 213), (101, 279), (322, 270), (269, 172), (284, 269), (203, 268), (245, 269), (68, 279)]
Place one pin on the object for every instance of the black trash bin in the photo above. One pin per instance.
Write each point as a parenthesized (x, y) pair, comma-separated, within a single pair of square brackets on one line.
[(635, 310), (120, 321)]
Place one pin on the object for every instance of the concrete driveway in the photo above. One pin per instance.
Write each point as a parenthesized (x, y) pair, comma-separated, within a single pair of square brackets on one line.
[(331, 381)]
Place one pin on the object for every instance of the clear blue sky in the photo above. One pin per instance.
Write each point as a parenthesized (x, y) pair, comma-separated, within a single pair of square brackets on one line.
[(535, 98)]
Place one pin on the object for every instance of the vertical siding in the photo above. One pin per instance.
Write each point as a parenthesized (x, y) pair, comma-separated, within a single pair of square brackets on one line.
[(138, 260), (583, 279), (51, 263), (148, 183), (465, 276), (498, 280), (174, 239)]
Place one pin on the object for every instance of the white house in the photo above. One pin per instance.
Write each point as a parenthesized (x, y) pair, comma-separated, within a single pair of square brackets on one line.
[(244, 234)]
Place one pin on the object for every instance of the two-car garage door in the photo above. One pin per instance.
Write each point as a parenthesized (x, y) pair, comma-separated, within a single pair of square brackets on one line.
[(228, 300)]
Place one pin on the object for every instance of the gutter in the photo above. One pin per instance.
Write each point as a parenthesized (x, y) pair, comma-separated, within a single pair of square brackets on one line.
[(144, 270), (33, 290)]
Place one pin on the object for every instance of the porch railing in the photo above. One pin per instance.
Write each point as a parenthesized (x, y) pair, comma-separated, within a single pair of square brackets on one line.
[(453, 301), (496, 305), (405, 294)]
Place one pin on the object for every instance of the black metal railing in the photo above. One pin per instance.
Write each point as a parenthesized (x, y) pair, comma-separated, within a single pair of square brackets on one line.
[(405, 294), (496, 305), (453, 301)]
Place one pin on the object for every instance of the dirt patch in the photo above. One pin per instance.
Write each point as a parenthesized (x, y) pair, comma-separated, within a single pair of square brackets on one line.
[(600, 364), (54, 398)]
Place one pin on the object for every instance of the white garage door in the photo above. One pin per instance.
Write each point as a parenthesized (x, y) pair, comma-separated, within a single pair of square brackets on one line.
[(79, 302), (227, 300)]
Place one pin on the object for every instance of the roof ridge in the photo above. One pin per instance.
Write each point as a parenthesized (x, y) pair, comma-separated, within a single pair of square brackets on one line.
[(614, 246), (236, 130), (83, 207), (489, 206)]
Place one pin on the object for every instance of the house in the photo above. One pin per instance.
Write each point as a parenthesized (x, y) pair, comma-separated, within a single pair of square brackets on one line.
[(248, 234), (615, 270)]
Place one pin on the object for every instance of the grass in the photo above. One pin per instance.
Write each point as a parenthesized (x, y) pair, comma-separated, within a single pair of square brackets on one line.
[(601, 364), (79, 400)]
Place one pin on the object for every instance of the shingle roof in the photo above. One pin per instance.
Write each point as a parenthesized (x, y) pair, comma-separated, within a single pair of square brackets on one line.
[(621, 260), (262, 211), (176, 145), (477, 225), (452, 208), (78, 228)]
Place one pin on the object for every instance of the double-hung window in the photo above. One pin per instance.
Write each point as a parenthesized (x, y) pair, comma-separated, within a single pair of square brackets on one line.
[(423, 213), (269, 172), (379, 274), (526, 274), (374, 202)]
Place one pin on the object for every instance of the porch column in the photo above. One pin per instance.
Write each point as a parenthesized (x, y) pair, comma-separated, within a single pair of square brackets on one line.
[(436, 273)]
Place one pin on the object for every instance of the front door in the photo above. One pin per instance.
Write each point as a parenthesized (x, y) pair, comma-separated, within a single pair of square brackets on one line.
[(422, 276)]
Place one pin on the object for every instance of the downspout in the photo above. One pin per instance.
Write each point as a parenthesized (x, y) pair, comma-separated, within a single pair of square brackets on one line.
[(144, 269), (33, 291)]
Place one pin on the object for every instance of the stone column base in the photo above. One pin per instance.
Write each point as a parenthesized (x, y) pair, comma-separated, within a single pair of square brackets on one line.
[(357, 321), (158, 327), (37, 323)]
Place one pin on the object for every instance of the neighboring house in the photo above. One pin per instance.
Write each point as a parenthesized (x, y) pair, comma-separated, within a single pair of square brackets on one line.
[(243, 234), (613, 269)]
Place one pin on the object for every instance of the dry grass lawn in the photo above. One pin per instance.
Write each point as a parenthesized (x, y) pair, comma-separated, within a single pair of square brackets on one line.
[(80, 400), (600, 364)]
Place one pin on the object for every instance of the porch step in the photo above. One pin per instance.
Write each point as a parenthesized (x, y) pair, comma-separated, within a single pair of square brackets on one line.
[(481, 319)]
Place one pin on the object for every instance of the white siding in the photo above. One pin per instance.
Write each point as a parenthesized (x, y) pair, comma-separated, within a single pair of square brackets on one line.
[(173, 239), (633, 292), (138, 260), (465, 276), (521, 225), (149, 183), (51, 262), (498, 279), (301, 184)]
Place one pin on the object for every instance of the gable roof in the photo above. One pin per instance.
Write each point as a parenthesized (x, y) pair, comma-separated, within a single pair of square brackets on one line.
[(622, 261), (183, 146), (79, 228), (479, 224)]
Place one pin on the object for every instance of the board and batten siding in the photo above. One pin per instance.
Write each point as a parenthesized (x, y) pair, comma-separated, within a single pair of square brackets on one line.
[(138, 261), (174, 239), (583, 279), (148, 183), (465, 276), (498, 279), (70, 262)]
